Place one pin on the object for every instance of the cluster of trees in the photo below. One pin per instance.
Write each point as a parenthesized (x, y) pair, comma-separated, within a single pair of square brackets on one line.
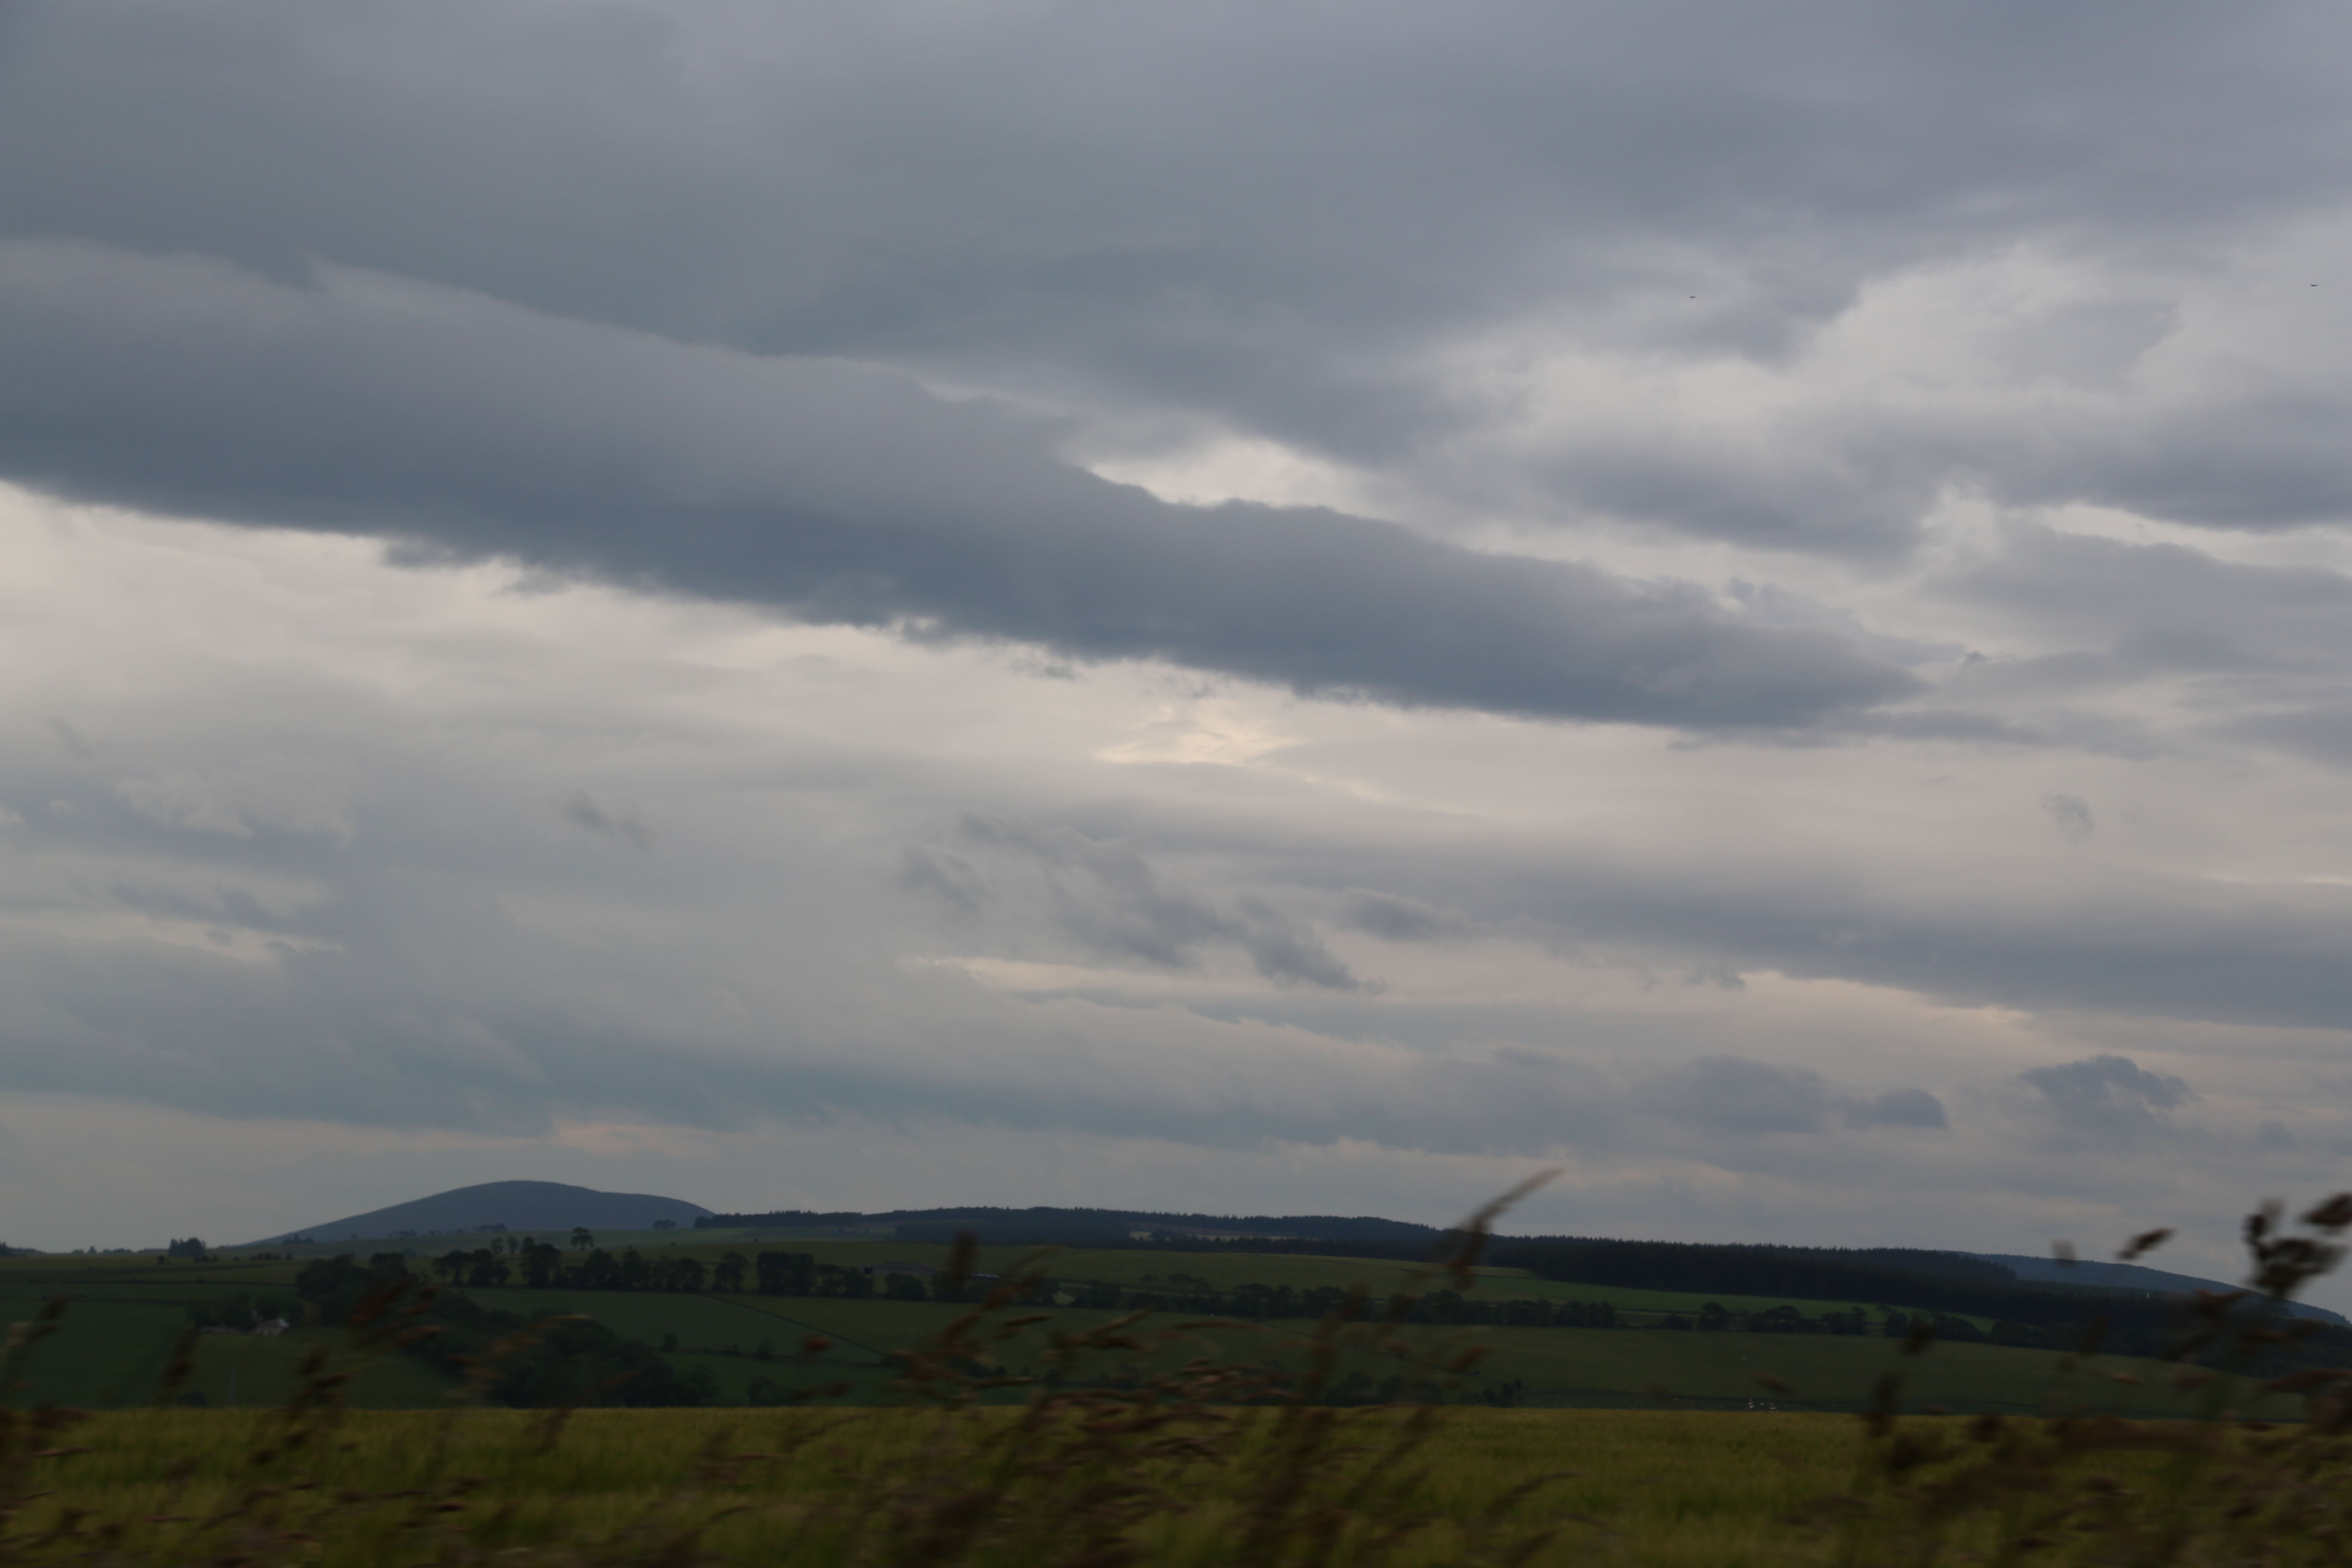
[(573, 1362), (190, 1247), (542, 1266)]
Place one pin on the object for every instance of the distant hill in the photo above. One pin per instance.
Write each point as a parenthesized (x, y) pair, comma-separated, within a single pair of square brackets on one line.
[(1008, 1226), (552, 1207), (513, 1206), (2131, 1276)]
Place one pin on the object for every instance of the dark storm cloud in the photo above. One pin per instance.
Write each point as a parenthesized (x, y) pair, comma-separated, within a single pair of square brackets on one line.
[(2108, 1093), (1127, 212), (467, 430)]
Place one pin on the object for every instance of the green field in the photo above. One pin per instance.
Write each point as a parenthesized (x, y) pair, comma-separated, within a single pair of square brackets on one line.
[(244, 1372), (1655, 1489), (1636, 1367), (127, 1312), (106, 1353), (708, 1323)]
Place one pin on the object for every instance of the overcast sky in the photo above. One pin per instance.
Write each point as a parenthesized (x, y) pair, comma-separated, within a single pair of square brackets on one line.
[(1262, 607)]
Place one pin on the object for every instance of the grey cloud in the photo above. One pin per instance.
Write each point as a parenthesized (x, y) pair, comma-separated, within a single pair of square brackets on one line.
[(1768, 604), (1136, 218), (1288, 950), (2143, 609), (2156, 945), (78, 746), (469, 430), (719, 175), (222, 908), (1898, 1107), (1109, 899), (2259, 652), (578, 808), (1738, 1096), (1393, 918), (2166, 948), (445, 974), (2073, 816), (942, 875), (1733, 1094), (2108, 1093), (2324, 734)]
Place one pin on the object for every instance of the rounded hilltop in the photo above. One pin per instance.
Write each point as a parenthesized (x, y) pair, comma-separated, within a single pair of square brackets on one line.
[(502, 1205)]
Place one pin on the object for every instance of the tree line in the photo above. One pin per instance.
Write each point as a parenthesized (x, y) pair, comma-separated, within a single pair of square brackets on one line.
[(536, 1264)]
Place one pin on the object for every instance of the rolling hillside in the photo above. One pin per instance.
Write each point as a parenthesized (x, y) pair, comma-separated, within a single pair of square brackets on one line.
[(513, 1206)]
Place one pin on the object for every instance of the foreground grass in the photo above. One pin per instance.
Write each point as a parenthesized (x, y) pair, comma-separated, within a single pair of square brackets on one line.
[(1690, 1490)]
